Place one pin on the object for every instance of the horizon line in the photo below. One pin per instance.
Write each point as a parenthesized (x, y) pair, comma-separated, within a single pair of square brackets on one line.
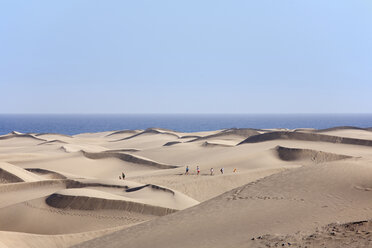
[(266, 113), (98, 113)]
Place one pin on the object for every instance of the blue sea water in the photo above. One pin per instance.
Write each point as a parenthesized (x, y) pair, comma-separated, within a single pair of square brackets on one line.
[(74, 123)]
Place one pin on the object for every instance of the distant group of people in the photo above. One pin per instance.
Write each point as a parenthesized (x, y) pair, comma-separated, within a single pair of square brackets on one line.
[(222, 170), (122, 176)]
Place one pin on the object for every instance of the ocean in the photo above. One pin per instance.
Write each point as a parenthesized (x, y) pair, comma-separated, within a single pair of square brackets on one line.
[(75, 123)]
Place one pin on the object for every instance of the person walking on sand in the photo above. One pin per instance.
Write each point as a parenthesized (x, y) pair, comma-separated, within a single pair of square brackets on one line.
[(123, 175), (221, 170), (187, 170), (212, 170), (234, 170), (197, 170)]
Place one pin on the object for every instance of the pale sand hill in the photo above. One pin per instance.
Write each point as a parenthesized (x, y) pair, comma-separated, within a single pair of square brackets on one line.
[(18, 239), (291, 186), (296, 200), (13, 174)]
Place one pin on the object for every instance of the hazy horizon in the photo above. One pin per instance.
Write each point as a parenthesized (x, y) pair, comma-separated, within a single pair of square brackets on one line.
[(262, 113)]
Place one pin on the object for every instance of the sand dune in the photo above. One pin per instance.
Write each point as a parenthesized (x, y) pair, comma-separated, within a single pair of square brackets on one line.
[(27, 240), (210, 144), (294, 154), (89, 199), (53, 135), (148, 194), (8, 177), (83, 182), (77, 165), (12, 174), (70, 148), (143, 140), (81, 202), (128, 158), (305, 187), (340, 128), (190, 137), (53, 142), (356, 133), (123, 150), (307, 137), (296, 200), (151, 131), (353, 234), (171, 143), (13, 193), (15, 141), (20, 135), (46, 173), (241, 132), (128, 132), (37, 217)]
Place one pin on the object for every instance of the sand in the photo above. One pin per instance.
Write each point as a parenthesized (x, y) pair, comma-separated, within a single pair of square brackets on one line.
[(290, 188)]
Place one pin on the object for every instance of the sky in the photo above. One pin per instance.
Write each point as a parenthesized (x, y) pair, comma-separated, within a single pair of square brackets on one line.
[(260, 56)]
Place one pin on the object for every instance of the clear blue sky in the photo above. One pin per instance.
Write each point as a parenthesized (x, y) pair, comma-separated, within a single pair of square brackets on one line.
[(186, 56)]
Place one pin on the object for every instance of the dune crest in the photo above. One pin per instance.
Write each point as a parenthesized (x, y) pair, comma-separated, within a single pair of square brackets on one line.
[(150, 131), (243, 132), (13, 174), (128, 158), (89, 199), (210, 144), (290, 135), (15, 134), (53, 142), (295, 154), (171, 143), (123, 132)]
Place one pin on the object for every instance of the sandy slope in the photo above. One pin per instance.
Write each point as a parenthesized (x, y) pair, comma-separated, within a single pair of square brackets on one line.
[(298, 200), (290, 186)]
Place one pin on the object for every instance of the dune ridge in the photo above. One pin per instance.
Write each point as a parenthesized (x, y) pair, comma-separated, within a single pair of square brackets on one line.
[(53, 142), (28, 240), (58, 200), (295, 154), (123, 150), (210, 144), (342, 128), (15, 134), (13, 174), (171, 143), (29, 185), (289, 135), (57, 134), (149, 131), (53, 174), (351, 234), (243, 132), (128, 158), (123, 132), (81, 184), (151, 186), (7, 177)]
